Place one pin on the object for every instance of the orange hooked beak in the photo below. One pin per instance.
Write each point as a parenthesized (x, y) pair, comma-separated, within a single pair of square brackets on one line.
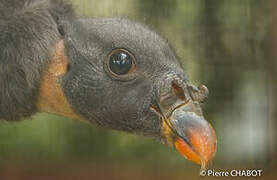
[(190, 133)]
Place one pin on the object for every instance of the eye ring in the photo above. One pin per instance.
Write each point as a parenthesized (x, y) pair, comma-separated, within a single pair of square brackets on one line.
[(120, 64)]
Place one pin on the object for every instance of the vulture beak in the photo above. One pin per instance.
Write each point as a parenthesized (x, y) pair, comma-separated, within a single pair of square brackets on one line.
[(184, 127)]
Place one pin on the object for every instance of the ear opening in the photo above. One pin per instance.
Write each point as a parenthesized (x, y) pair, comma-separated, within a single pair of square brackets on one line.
[(61, 30)]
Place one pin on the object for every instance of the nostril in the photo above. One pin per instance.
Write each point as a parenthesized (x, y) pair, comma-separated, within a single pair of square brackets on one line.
[(178, 91), (173, 97)]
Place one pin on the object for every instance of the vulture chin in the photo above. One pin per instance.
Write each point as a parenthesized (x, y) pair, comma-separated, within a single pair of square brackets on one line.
[(111, 72)]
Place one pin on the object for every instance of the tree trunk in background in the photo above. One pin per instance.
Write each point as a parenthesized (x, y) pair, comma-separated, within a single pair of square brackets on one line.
[(218, 62), (272, 72)]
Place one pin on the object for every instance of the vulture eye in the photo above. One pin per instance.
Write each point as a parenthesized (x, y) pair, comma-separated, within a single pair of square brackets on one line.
[(121, 62)]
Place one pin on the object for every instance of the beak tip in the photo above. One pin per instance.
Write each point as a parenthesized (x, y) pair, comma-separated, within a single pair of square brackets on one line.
[(203, 146)]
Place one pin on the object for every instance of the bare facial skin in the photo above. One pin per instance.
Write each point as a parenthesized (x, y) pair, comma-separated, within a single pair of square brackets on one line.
[(111, 72)]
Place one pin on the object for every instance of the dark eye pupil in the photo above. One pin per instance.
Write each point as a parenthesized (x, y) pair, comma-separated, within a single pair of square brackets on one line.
[(120, 63)]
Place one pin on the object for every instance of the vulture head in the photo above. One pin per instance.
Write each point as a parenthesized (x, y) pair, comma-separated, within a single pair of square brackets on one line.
[(114, 73)]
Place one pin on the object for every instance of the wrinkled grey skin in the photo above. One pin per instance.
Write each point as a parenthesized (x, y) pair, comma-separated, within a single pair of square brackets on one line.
[(29, 30), (118, 103)]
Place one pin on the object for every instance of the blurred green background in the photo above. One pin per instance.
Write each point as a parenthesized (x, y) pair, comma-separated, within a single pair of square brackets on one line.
[(227, 45)]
